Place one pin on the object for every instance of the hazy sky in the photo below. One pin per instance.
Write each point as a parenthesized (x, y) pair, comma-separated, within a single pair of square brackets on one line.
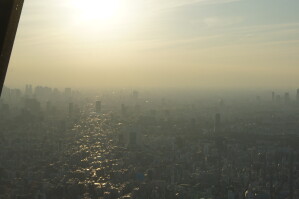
[(168, 43)]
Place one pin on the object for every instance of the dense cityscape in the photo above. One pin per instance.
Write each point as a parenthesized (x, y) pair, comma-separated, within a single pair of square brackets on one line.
[(149, 99), (146, 145)]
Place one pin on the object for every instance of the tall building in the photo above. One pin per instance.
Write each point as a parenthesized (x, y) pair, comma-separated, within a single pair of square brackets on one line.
[(287, 98), (278, 98), (32, 105), (135, 95), (48, 106), (68, 92), (221, 103), (217, 123), (5, 94), (98, 106), (273, 96), (15, 93), (258, 99), (297, 96), (42, 93), (4, 109), (28, 90), (71, 108), (123, 109)]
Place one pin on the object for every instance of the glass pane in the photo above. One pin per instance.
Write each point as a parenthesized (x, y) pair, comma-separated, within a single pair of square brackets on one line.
[(148, 99)]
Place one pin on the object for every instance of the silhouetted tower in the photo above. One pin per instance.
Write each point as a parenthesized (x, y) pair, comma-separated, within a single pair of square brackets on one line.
[(98, 106), (273, 96), (135, 95), (221, 103), (28, 90), (48, 106), (33, 105), (4, 109), (123, 109), (71, 108), (287, 98), (297, 96), (258, 99), (278, 98), (68, 92), (217, 123)]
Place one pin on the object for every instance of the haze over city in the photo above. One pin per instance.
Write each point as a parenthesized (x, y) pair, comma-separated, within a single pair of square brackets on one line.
[(149, 99), (166, 44)]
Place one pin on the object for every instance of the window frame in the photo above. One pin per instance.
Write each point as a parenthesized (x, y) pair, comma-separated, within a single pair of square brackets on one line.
[(10, 12)]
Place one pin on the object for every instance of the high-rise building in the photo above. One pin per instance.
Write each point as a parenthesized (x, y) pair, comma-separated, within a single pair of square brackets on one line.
[(15, 93), (258, 99), (278, 98), (71, 108), (98, 106), (6, 94), (28, 90), (4, 109), (123, 109), (42, 93), (273, 96), (287, 98), (48, 106), (221, 103), (135, 95), (68, 92), (217, 123), (297, 96), (32, 105)]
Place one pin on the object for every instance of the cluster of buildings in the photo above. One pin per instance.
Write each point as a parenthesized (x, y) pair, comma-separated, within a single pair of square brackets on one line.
[(66, 145)]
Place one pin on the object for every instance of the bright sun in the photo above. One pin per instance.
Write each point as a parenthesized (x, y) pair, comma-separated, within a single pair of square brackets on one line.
[(99, 11)]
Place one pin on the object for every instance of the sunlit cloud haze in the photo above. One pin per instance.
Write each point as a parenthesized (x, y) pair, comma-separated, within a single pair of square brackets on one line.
[(157, 43)]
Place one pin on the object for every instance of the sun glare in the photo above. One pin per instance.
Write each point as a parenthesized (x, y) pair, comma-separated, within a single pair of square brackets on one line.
[(102, 11)]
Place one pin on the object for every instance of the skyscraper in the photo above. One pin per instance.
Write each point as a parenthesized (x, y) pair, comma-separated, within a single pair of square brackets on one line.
[(68, 92), (278, 98), (32, 105), (217, 123), (48, 106), (4, 109), (135, 95), (287, 98), (71, 108), (273, 96), (98, 106), (28, 90), (297, 96), (123, 109)]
